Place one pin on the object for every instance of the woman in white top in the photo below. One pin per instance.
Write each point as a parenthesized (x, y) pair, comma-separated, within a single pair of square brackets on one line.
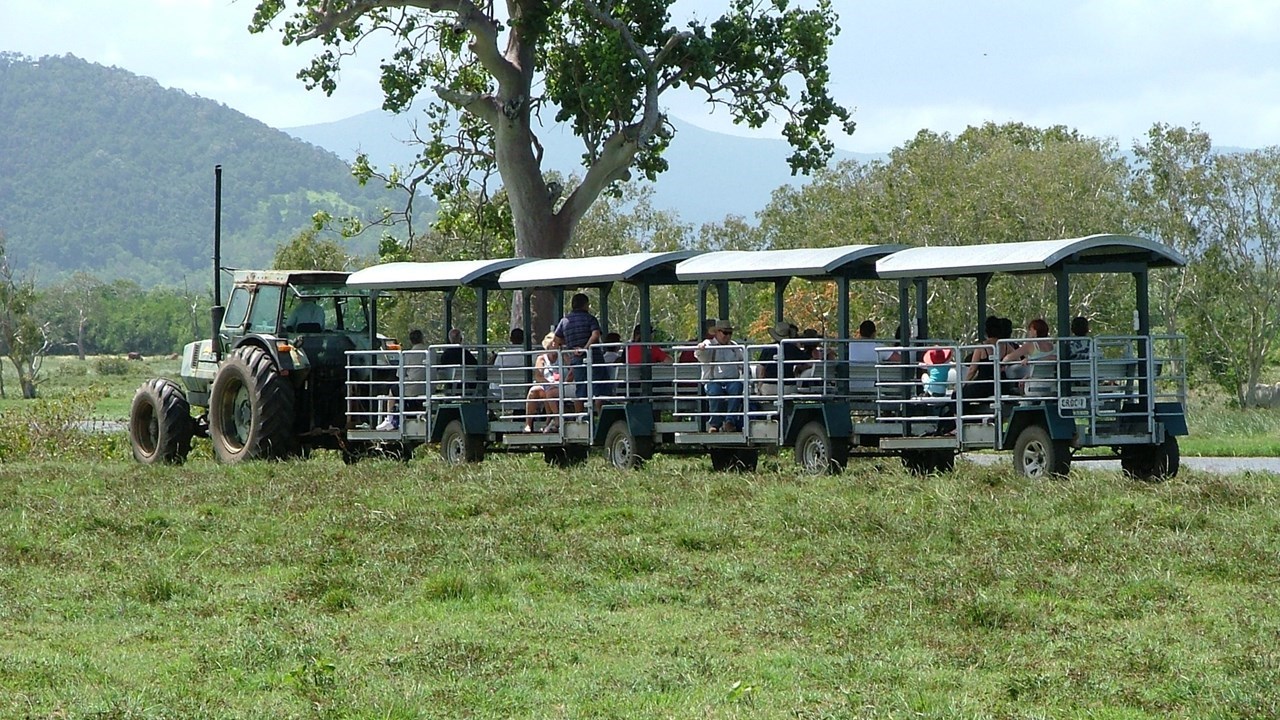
[(546, 388), (1037, 355)]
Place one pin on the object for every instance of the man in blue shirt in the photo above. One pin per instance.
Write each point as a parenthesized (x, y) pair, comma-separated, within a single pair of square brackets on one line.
[(579, 331)]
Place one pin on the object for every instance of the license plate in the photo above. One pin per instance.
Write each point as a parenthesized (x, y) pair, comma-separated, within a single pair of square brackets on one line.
[(1073, 403)]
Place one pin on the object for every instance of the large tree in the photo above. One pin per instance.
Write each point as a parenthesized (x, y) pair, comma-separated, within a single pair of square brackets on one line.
[(496, 70)]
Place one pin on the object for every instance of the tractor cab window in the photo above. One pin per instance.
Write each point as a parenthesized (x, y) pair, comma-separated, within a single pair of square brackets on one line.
[(237, 306), (265, 312), (353, 314)]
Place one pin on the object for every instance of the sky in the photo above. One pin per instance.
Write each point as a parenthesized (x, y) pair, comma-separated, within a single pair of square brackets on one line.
[(1108, 68)]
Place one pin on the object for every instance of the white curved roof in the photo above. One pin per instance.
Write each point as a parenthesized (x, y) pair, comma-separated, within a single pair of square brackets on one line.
[(429, 275), (1031, 256), (763, 264), (579, 272)]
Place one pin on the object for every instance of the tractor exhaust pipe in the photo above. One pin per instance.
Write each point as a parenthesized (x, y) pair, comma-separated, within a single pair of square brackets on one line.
[(217, 312)]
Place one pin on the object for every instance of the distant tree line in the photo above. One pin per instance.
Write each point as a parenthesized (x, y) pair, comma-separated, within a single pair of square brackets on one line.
[(993, 183)]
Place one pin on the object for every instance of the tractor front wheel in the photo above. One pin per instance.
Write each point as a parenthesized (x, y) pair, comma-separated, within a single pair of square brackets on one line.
[(160, 423)]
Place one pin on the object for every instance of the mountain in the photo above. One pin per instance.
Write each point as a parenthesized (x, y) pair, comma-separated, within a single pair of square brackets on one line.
[(711, 174), (105, 171)]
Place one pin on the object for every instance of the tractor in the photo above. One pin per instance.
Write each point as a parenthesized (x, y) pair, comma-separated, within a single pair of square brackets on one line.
[(270, 382)]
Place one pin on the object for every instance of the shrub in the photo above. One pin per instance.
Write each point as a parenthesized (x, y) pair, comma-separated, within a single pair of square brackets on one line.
[(111, 365), (49, 428)]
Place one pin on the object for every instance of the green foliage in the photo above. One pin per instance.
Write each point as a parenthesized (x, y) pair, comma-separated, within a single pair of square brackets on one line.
[(52, 428), (308, 251), (105, 171), (111, 365)]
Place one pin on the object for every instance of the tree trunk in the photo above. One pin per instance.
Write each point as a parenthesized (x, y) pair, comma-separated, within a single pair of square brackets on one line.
[(80, 338)]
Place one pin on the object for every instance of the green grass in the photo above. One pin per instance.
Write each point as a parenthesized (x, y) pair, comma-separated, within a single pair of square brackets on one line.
[(508, 589), (1220, 430)]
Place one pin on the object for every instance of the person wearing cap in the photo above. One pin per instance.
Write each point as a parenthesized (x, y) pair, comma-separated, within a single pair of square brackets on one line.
[(722, 362)]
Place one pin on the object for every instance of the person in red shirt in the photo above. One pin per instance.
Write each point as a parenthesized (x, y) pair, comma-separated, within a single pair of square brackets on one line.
[(636, 354)]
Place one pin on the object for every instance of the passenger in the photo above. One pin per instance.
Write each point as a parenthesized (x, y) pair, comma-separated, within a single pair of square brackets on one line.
[(510, 357), (863, 347), (1036, 356), (979, 377), (708, 332), (546, 388), (415, 371), (414, 367), (579, 332), (612, 347), (453, 360), (1080, 348), (862, 352), (938, 366), (978, 386), (818, 350), (722, 361), (638, 354), (455, 355), (794, 357)]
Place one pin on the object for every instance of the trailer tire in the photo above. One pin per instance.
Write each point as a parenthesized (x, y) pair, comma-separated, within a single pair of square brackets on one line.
[(1152, 462), (457, 447), (250, 409), (160, 423), (1038, 456), (817, 453), (626, 451), (929, 461)]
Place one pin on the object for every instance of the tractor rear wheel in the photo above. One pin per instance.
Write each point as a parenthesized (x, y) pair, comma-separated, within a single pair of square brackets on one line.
[(250, 409), (160, 423)]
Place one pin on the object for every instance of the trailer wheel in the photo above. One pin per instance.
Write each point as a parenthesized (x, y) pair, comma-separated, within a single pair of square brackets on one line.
[(626, 451), (1036, 455), (160, 423), (564, 457), (250, 409), (1152, 462), (730, 460), (457, 447), (817, 453), (928, 462)]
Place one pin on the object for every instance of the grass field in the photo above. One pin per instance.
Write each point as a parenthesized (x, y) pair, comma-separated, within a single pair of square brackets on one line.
[(508, 589), (386, 590)]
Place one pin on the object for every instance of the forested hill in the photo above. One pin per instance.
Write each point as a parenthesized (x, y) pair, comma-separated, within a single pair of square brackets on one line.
[(108, 172)]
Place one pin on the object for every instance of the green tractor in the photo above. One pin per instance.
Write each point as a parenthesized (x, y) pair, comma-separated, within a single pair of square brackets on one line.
[(270, 383)]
